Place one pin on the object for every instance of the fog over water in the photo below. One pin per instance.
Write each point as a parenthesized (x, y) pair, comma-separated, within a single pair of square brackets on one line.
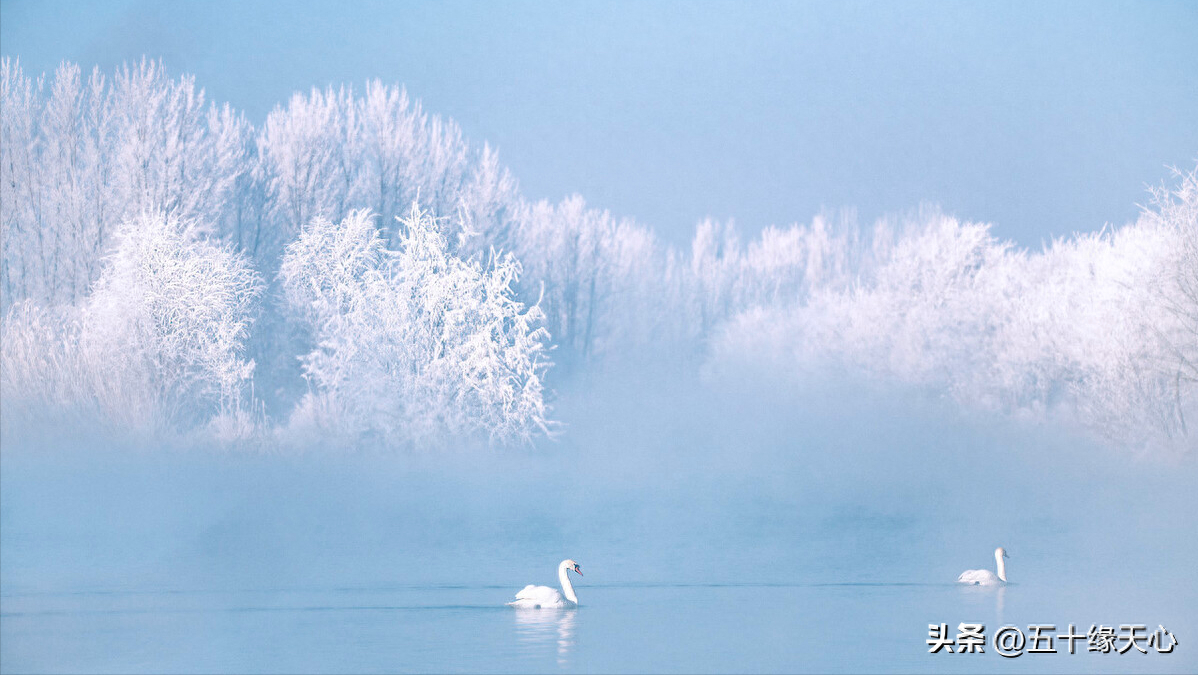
[(719, 527)]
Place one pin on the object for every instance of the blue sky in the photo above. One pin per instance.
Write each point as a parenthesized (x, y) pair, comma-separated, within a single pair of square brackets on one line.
[(1043, 118)]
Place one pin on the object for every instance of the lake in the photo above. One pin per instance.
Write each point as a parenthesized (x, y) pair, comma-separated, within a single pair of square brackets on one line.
[(644, 627), (705, 549)]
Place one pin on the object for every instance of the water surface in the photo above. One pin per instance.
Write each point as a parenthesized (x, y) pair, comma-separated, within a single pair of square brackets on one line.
[(825, 544)]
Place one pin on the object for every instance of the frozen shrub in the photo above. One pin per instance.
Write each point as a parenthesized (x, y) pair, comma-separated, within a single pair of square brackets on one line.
[(414, 344), (169, 318)]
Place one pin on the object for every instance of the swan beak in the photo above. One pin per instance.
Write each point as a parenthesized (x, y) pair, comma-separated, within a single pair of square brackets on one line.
[(578, 570)]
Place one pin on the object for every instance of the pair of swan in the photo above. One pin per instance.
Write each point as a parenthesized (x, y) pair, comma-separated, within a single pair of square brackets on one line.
[(544, 597)]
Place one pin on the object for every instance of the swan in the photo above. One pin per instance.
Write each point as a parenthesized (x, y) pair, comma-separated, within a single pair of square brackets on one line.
[(544, 597), (986, 577)]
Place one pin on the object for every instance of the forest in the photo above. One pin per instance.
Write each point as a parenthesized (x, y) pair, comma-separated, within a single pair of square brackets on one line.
[(356, 269)]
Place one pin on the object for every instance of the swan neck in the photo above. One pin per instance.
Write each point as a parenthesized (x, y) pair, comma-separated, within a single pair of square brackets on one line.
[(563, 575), (1002, 567)]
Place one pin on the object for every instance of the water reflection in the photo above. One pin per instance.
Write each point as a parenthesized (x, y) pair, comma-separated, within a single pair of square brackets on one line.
[(983, 596), (537, 627)]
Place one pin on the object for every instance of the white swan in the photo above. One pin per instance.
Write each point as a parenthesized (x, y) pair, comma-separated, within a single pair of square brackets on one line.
[(986, 577), (544, 597)]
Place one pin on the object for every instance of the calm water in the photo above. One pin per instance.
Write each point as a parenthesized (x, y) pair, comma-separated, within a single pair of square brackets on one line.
[(705, 549), (641, 627)]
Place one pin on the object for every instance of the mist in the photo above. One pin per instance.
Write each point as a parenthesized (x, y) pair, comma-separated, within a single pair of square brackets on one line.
[(322, 394), (657, 481)]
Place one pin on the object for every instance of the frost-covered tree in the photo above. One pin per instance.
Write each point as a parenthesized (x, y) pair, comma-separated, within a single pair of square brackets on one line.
[(715, 257), (159, 344), (169, 318), (43, 365), (174, 152), (332, 151), (413, 344), (562, 247), (1174, 291), (1094, 327), (1103, 326), (607, 286), (21, 211), (82, 155)]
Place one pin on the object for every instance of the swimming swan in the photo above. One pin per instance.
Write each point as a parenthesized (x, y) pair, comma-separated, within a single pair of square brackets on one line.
[(986, 577), (544, 597)]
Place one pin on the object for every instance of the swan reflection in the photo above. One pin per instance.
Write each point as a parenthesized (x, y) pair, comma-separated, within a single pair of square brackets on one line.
[(537, 627), (1000, 603)]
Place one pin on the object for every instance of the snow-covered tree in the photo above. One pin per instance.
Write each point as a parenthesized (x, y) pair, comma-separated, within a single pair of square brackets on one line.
[(561, 246), (43, 366), (169, 318), (21, 212), (1102, 325), (331, 151), (1174, 292), (1093, 327), (413, 344), (159, 344), (607, 285), (81, 156)]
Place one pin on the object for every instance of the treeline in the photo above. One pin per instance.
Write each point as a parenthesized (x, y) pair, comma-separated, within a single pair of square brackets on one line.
[(1099, 328), (168, 265)]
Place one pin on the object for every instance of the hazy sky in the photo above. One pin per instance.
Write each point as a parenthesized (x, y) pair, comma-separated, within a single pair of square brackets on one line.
[(1043, 118)]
